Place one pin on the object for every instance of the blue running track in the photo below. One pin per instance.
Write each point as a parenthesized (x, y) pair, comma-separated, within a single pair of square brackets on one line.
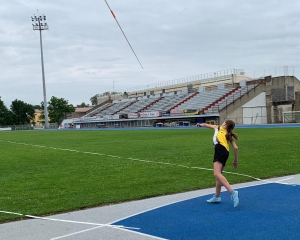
[(269, 211)]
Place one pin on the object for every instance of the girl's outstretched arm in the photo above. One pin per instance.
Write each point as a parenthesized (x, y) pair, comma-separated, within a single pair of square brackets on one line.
[(207, 125)]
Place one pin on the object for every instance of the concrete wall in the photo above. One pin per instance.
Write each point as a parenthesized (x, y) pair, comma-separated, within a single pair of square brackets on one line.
[(283, 81), (234, 110), (277, 108), (254, 111), (297, 101), (227, 80), (239, 110), (274, 113)]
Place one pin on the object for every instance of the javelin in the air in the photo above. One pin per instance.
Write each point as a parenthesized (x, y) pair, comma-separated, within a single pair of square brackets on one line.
[(123, 32)]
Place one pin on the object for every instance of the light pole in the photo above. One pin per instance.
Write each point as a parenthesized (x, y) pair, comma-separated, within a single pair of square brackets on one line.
[(114, 88), (40, 25)]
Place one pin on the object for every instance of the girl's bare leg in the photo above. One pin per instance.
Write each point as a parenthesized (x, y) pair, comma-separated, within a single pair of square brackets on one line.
[(220, 179), (218, 187)]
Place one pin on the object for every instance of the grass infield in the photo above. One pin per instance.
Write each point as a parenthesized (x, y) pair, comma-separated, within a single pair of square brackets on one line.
[(51, 178)]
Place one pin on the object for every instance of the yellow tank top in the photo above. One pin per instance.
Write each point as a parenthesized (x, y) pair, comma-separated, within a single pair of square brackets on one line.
[(220, 137)]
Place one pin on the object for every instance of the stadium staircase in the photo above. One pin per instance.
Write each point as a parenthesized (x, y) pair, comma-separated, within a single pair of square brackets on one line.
[(203, 100), (99, 109), (138, 105), (230, 98), (165, 102), (120, 110), (150, 104), (220, 99), (184, 100), (95, 108)]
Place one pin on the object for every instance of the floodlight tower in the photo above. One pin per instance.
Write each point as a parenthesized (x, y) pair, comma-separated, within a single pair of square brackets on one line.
[(40, 24), (114, 88)]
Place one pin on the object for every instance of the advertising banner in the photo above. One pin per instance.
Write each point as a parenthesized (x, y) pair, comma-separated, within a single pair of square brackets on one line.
[(176, 112), (133, 115), (150, 114), (90, 119), (111, 117), (165, 114), (190, 112), (5, 129)]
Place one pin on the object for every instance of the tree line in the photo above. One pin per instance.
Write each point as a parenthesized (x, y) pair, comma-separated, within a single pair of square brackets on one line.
[(21, 113)]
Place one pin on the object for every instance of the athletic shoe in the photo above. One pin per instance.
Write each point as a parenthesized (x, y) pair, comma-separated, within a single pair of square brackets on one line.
[(214, 200), (235, 198)]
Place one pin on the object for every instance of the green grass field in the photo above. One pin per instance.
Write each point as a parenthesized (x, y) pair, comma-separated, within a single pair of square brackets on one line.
[(105, 166)]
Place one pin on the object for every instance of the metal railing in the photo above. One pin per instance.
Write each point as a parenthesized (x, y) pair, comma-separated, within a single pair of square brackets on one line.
[(231, 98), (283, 97), (260, 119), (28, 127), (223, 74), (274, 72), (217, 76)]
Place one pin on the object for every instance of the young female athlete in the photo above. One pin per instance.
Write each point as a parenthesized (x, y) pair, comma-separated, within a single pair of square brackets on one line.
[(222, 137)]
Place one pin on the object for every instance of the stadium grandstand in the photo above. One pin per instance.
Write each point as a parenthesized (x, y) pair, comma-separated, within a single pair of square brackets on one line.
[(212, 98)]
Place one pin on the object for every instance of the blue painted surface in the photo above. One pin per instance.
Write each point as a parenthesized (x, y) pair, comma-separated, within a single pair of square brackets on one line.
[(268, 211)]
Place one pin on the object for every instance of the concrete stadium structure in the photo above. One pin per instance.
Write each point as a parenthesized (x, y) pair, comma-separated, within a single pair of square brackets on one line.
[(212, 98)]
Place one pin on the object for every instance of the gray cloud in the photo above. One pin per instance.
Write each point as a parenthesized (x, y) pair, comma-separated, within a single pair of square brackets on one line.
[(85, 51)]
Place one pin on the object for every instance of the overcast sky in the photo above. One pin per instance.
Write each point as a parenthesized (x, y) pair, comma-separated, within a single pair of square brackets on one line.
[(85, 52)]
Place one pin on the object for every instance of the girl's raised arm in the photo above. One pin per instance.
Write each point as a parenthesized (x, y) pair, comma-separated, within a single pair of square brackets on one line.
[(207, 125)]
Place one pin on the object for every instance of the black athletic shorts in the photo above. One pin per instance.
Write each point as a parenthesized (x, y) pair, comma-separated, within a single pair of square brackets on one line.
[(221, 154)]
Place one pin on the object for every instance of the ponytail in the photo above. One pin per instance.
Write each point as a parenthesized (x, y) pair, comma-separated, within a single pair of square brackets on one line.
[(231, 134), (229, 127)]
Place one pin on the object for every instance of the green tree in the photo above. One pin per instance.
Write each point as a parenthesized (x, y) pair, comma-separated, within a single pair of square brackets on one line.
[(37, 107), (22, 113), (57, 109), (104, 94), (94, 100), (5, 114), (112, 93), (82, 105)]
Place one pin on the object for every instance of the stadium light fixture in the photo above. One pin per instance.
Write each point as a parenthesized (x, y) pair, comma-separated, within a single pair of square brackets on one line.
[(114, 88), (40, 25)]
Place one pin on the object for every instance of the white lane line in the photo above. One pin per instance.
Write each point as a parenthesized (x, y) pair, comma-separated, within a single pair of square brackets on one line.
[(68, 221), (122, 229), (281, 181), (98, 225), (285, 179), (142, 234), (75, 233)]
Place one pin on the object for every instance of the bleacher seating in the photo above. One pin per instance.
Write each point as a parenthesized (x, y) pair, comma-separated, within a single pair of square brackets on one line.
[(96, 111), (215, 108), (206, 102), (137, 106), (167, 102), (118, 105), (203, 99)]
